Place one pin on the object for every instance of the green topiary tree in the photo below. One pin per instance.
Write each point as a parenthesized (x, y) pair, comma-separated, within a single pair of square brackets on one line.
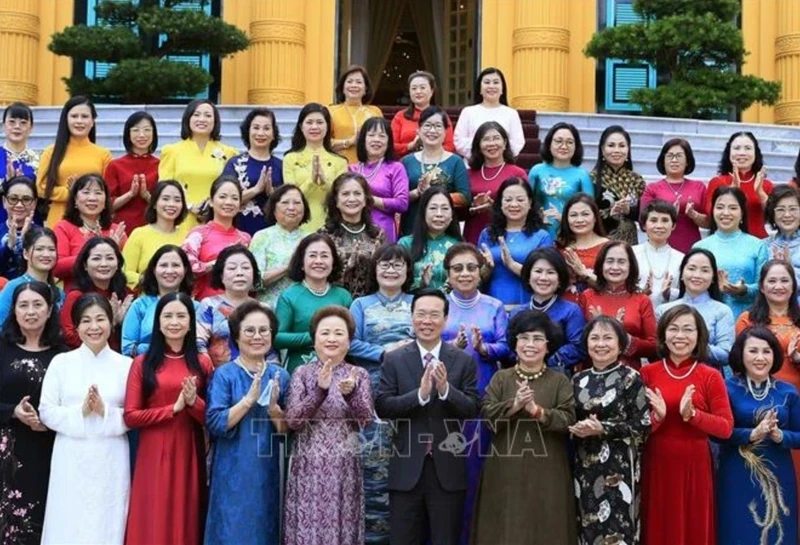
[(695, 46), (138, 39)]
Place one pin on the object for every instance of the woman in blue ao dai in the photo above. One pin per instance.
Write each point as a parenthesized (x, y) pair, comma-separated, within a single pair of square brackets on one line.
[(245, 420), (783, 214), (756, 493), (740, 256)]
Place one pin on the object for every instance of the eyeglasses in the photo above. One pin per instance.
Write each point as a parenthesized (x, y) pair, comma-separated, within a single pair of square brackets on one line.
[(428, 315), (783, 211), (675, 156), (531, 339), (251, 331), (394, 265), (13, 200), (438, 127), (559, 143), (459, 267)]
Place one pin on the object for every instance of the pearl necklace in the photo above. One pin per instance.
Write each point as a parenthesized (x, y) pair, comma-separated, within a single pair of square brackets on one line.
[(529, 377), (466, 303), (353, 231), (250, 373), (605, 371), (544, 308), (676, 377), (318, 293), (763, 395), (369, 177), (499, 171)]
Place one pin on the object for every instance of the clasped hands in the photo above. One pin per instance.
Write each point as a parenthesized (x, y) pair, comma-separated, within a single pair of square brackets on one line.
[(435, 375)]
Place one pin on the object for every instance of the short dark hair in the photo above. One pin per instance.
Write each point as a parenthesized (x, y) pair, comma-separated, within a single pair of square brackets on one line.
[(51, 335), (778, 194), (687, 149), (390, 252), (725, 165), (299, 139), (327, 312), (534, 320), (552, 256), (736, 357), (87, 300), (149, 284), (476, 97), (19, 180), (72, 215), (759, 310), (498, 224), (132, 121), (369, 125), (150, 215), (431, 111), (565, 234), (295, 269), (738, 194), (713, 291), (244, 128), (367, 83), (188, 112), (430, 292), (462, 248), (546, 152), (243, 311), (700, 351), (276, 196), (606, 321), (632, 282), (219, 266), (476, 158), (18, 110), (333, 223), (81, 277), (29, 240), (660, 207), (600, 163), (221, 180)]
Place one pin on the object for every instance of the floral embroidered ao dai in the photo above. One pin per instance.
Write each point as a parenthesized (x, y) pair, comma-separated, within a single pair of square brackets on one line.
[(247, 170), (355, 248), (608, 467), (434, 255), (618, 185), (273, 248)]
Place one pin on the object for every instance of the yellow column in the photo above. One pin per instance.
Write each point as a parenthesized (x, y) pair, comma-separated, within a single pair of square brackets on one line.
[(787, 61), (582, 70), (497, 20), (541, 55), (54, 16), (278, 52), (320, 66), (235, 80), (19, 43), (759, 27)]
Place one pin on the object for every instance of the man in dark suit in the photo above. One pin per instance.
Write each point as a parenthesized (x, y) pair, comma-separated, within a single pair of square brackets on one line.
[(429, 388)]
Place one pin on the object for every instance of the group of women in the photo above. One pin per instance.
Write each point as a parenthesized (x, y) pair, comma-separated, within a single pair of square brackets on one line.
[(152, 302)]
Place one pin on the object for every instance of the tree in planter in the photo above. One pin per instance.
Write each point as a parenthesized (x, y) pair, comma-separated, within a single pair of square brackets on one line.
[(692, 44), (138, 39)]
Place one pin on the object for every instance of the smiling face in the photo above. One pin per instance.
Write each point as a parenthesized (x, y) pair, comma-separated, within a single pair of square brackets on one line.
[(289, 210), (237, 274), (102, 264), (255, 336), (169, 203), (261, 133), (681, 337), (94, 328), (421, 92), (743, 153), (201, 122), (79, 121), (19, 203), (491, 87), (615, 150), (492, 146), (659, 227), (169, 272), (464, 273), (318, 261), (174, 321), (675, 161), (428, 319), (543, 279), (515, 204), (580, 219), (31, 312), (141, 136), (354, 86), (777, 286), (787, 215), (697, 275), (17, 130), (314, 128), (727, 213), (562, 147), (603, 345), (391, 274), (432, 131), (616, 267), (757, 359), (41, 256), (376, 142), (351, 200), (532, 348), (90, 201), (331, 339), (438, 214), (226, 202)]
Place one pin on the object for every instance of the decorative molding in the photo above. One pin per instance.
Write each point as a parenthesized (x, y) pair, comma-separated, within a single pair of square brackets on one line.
[(545, 103), (788, 113), (276, 96), (787, 45), (16, 91), (14, 22), (278, 31), (540, 38)]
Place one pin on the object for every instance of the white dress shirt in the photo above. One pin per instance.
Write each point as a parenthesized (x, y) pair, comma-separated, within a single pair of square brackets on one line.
[(435, 353)]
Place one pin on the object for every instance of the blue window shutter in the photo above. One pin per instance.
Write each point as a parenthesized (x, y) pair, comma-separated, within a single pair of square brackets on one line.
[(93, 69)]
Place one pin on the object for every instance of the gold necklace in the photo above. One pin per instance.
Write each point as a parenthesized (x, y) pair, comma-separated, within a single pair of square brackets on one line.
[(530, 377)]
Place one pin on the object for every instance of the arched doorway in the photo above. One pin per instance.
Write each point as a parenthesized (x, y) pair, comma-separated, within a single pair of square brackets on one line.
[(393, 38)]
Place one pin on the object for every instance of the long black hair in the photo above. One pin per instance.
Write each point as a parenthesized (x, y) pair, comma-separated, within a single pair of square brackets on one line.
[(51, 335), (84, 282), (477, 98), (158, 345), (533, 221), (419, 235), (299, 139), (713, 290), (62, 141), (29, 241), (370, 125), (759, 312), (725, 164), (73, 215)]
